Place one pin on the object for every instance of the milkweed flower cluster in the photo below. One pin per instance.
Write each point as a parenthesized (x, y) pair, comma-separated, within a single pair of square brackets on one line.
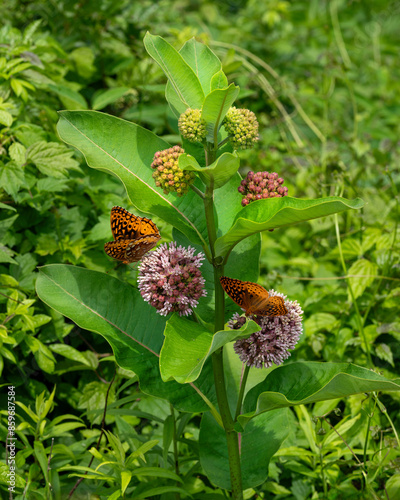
[(167, 173), (277, 336), (242, 128), (192, 126), (260, 185), (170, 279)]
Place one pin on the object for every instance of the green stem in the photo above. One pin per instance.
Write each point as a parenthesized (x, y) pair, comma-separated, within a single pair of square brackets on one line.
[(197, 191), (231, 435), (222, 143), (358, 315), (385, 412), (321, 460), (210, 219), (241, 392), (217, 357), (370, 415)]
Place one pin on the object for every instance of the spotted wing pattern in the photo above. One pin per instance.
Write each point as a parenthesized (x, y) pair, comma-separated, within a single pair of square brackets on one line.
[(133, 236), (127, 226), (253, 298)]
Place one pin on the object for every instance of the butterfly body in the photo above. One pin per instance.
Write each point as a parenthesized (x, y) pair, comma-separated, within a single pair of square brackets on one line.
[(253, 298), (133, 236)]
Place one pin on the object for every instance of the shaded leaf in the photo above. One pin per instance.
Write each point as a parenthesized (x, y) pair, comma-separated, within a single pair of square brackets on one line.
[(103, 139), (180, 75), (97, 302), (187, 345), (278, 212), (217, 174), (260, 440), (308, 382)]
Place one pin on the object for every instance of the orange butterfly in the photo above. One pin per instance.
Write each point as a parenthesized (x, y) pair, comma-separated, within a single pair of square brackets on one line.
[(133, 236), (253, 298)]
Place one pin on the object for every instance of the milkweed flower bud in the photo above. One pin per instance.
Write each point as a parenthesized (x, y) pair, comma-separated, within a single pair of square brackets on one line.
[(278, 334), (191, 126), (170, 279), (167, 173), (242, 128), (260, 185)]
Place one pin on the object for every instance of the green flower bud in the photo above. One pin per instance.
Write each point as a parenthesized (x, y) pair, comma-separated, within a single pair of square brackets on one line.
[(191, 125), (242, 128)]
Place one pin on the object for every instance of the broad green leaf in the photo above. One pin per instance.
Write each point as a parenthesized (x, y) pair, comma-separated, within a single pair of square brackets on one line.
[(51, 158), (273, 213), (182, 78), (103, 98), (20, 482), (177, 106), (102, 304), (6, 118), (307, 382), (41, 457), (84, 60), (217, 174), (126, 477), (12, 178), (203, 62), (216, 105), (156, 472), (260, 440), (127, 150), (6, 255), (187, 345), (71, 99), (320, 321), (367, 271), (160, 490), (17, 153), (384, 352), (42, 353), (219, 81), (392, 486), (70, 353)]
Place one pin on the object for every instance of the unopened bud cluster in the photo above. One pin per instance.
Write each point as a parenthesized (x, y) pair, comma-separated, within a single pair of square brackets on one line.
[(191, 126), (242, 128), (259, 185), (168, 175)]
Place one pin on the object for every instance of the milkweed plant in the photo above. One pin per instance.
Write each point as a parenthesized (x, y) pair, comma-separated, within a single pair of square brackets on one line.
[(177, 330)]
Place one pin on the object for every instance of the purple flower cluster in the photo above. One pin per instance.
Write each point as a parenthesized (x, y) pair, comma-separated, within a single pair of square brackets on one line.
[(277, 335), (259, 185), (170, 279)]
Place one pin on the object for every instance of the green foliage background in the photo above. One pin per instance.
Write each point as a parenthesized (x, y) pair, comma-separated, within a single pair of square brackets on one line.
[(322, 79)]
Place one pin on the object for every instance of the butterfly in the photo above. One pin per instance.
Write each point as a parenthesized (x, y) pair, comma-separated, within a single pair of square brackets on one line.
[(133, 236), (253, 298)]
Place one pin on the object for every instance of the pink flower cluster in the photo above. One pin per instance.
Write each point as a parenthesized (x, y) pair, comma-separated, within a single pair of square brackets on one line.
[(259, 185), (271, 344), (170, 279)]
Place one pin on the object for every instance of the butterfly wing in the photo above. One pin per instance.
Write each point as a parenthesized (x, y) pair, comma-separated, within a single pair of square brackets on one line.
[(129, 251), (139, 247), (117, 249), (127, 226), (271, 306), (253, 298), (243, 293), (235, 289)]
